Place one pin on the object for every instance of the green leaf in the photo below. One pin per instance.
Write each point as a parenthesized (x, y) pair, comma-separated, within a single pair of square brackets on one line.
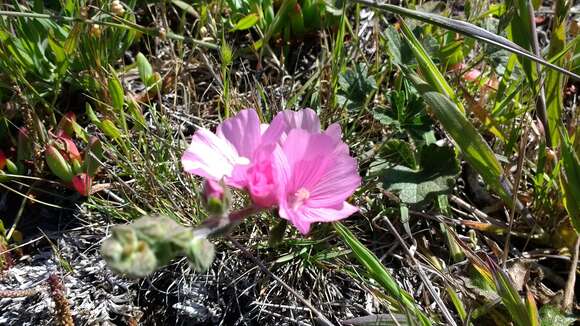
[(552, 316), (439, 169), (554, 80), (145, 69), (355, 85), (570, 179), (247, 22), (428, 68), (476, 151), (110, 129), (116, 92)]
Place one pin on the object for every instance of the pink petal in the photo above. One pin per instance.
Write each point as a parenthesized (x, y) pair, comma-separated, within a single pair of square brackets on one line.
[(243, 131), (304, 119), (307, 156), (327, 214), (210, 156), (274, 131), (288, 214), (338, 183), (335, 133)]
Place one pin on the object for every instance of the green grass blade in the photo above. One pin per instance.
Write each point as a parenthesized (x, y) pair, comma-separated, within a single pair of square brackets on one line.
[(379, 273), (555, 81), (570, 179), (428, 68), (466, 29)]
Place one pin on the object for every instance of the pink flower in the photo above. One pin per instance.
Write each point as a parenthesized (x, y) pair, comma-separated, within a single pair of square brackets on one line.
[(290, 163), (315, 177), (240, 151)]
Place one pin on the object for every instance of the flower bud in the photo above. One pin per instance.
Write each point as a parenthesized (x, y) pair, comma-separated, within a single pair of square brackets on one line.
[(82, 184), (58, 165), (200, 253), (68, 148), (2, 160), (117, 8), (128, 254), (216, 197), (66, 124), (95, 31)]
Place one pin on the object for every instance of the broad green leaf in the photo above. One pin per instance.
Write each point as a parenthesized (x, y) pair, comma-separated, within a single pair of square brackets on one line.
[(476, 151), (436, 176), (247, 22)]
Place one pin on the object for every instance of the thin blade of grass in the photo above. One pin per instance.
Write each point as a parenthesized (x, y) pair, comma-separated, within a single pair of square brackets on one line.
[(428, 67), (379, 273), (555, 81), (466, 29)]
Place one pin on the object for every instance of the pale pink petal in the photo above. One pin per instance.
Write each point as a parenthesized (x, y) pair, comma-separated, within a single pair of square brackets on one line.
[(264, 127), (288, 214), (308, 156), (210, 156), (274, 131), (243, 131), (304, 119), (337, 183), (327, 214), (335, 133), (301, 144)]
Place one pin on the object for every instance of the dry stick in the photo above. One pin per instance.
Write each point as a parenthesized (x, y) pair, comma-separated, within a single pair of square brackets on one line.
[(422, 274), (265, 269), (518, 177), (569, 291)]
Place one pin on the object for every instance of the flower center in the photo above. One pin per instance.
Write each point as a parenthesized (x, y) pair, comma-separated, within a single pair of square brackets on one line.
[(298, 198)]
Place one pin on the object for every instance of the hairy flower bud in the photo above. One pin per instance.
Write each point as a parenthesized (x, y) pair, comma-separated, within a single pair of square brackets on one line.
[(216, 197), (151, 242)]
